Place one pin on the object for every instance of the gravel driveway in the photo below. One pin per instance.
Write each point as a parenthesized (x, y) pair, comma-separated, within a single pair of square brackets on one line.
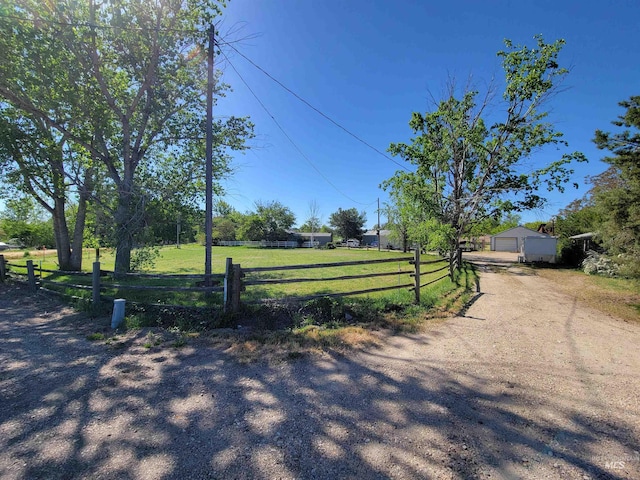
[(526, 383)]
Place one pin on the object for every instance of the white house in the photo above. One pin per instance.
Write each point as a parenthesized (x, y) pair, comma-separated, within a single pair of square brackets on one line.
[(512, 240)]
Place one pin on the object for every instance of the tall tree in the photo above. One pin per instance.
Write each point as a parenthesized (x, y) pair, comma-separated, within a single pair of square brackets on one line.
[(38, 158), (467, 169), (620, 205), (313, 222), (37, 161), (139, 84), (275, 218), (348, 223)]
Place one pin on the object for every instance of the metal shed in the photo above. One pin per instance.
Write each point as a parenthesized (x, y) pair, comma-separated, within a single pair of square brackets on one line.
[(512, 240)]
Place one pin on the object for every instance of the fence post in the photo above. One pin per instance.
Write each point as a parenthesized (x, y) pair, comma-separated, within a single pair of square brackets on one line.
[(451, 269), (417, 273), (228, 284), (3, 271), (237, 286), (31, 275), (95, 286)]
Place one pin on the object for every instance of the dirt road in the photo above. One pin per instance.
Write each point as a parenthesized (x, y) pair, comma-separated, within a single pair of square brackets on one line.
[(526, 383)]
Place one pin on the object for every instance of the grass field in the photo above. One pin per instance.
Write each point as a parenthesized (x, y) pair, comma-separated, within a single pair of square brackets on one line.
[(189, 259)]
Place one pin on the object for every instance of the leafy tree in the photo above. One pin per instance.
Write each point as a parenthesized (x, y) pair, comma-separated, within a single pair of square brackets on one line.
[(22, 219), (535, 224), (275, 218), (405, 219), (131, 71), (619, 204), (574, 221), (348, 223), (37, 161), (467, 169), (224, 229), (509, 220), (251, 228), (223, 208), (486, 226)]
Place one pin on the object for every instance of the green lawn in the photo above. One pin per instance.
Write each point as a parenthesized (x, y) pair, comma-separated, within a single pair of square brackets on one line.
[(189, 259)]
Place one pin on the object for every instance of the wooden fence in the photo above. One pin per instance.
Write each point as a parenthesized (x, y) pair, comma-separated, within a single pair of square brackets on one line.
[(235, 279), (238, 278)]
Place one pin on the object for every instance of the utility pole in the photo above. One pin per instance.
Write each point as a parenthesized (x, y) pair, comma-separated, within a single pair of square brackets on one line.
[(378, 223), (208, 224)]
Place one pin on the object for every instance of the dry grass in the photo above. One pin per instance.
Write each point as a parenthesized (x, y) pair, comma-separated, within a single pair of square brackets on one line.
[(274, 346), (34, 255), (617, 297)]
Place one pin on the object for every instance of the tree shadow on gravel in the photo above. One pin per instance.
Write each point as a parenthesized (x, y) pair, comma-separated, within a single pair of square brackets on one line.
[(73, 409)]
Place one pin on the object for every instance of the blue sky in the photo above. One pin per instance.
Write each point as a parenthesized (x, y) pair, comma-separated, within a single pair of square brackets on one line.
[(369, 64)]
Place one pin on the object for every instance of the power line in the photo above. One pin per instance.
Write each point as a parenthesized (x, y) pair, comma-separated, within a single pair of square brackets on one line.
[(230, 44), (287, 135), (316, 109)]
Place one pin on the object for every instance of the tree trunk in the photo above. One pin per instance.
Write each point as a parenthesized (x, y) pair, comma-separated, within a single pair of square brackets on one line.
[(61, 234), (124, 236), (453, 255), (126, 222), (78, 233)]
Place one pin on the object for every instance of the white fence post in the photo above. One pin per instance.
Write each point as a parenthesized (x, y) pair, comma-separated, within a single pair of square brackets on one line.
[(228, 284), (118, 312)]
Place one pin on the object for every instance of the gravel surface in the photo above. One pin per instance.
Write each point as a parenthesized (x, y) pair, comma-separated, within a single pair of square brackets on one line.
[(525, 383)]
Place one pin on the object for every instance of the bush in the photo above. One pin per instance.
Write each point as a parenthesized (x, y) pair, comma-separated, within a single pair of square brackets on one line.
[(629, 266), (144, 258), (597, 264), (572, 255), (321, 311)]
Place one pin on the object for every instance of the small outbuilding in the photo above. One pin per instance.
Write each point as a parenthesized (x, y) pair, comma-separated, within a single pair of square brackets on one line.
[(512, 240), (387, 239)]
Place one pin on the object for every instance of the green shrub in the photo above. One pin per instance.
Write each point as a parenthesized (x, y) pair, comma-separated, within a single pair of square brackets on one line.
[(572, 255)]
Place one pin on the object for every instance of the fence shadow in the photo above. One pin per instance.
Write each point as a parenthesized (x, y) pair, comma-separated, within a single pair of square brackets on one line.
[(73, 409)]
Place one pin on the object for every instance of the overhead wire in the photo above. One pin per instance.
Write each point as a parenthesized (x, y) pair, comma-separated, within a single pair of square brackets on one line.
[(229, 44), (317, 110), (287, 136)]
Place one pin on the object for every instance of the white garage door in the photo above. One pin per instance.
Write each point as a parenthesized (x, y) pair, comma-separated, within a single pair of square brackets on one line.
[(506, 244)]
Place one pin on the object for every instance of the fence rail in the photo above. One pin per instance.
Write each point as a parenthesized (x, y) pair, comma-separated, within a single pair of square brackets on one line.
[(234, 280), (98, 287)]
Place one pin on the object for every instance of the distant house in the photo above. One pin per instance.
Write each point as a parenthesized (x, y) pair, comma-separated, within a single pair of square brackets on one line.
[(387, 239), (512, 240), (319, 239)]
